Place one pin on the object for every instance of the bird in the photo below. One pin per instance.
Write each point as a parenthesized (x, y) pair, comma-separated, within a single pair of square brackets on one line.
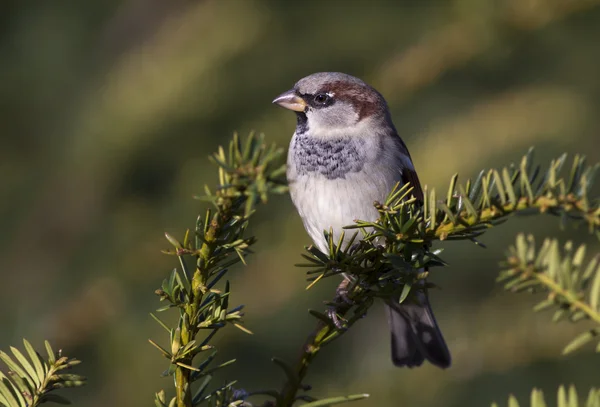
[(344, 155)]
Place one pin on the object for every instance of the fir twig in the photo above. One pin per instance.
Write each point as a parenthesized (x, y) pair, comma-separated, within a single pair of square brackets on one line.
[(32, 378), (248, 172), (572, 286), (394, 255)]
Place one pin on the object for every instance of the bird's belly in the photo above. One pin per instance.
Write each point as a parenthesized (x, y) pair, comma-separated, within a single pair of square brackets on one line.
[(334, 203)]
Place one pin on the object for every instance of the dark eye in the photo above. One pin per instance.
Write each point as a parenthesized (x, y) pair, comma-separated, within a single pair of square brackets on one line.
[(322, 98)]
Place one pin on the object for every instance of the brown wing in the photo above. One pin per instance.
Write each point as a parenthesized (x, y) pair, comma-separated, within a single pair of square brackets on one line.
[(410, 175)]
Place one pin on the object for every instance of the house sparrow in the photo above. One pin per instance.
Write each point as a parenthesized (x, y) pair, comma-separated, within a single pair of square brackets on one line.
[(344, 155)]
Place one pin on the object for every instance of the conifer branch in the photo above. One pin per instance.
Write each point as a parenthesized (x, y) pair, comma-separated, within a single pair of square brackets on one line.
[(389, 258), (572, 286), (248, 173), (394, 253), (401, 238), (31, 378), (469, 210)]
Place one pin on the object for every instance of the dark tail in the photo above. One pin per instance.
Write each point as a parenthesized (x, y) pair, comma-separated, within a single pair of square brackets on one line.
[(415, 334)]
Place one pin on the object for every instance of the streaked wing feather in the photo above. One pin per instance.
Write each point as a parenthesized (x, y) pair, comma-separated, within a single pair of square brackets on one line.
[(409, 174)]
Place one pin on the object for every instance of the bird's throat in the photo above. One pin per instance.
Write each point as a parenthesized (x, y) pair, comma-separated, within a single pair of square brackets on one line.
[(301, 123)]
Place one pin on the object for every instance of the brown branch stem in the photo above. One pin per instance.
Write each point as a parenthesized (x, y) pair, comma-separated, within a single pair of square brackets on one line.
[(320, 337)]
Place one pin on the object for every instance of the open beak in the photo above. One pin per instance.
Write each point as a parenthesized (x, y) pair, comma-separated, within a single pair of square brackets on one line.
[(290, 100)]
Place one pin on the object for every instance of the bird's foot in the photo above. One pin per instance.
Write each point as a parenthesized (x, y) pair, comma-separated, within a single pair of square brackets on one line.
[(341, 302), (342, 293), (332, 314)]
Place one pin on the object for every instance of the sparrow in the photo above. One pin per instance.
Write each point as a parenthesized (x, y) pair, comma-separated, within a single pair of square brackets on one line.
[(344, 155)]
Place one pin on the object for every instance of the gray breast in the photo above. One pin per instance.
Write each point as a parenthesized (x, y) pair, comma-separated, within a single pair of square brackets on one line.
[(332, 158)]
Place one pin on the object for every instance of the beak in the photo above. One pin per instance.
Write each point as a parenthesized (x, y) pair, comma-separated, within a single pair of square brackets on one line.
[(290, 100)]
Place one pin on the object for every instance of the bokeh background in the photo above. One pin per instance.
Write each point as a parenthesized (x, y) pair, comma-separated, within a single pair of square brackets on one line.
[(109, 109)]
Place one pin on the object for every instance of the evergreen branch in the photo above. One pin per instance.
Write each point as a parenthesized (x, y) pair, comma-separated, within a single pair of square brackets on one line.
[(248, 173), (389, 261), (565, 398), (324, 334), (31, 378), (470, 210), (399, 241), (572, 286), (393, 256)]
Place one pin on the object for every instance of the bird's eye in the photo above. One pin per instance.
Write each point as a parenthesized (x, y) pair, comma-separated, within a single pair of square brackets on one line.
[(322, 98)]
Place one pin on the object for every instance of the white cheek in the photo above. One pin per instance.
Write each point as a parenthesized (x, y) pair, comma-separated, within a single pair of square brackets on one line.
[(333, 121)]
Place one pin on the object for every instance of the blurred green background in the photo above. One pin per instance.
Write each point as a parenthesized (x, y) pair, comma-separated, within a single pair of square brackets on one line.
[(109, 109)]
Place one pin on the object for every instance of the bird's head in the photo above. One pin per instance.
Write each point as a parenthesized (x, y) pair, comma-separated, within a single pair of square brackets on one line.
[(330, 104)]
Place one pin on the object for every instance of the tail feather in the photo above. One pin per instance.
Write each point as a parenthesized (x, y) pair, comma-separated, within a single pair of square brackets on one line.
[(416, 336)]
